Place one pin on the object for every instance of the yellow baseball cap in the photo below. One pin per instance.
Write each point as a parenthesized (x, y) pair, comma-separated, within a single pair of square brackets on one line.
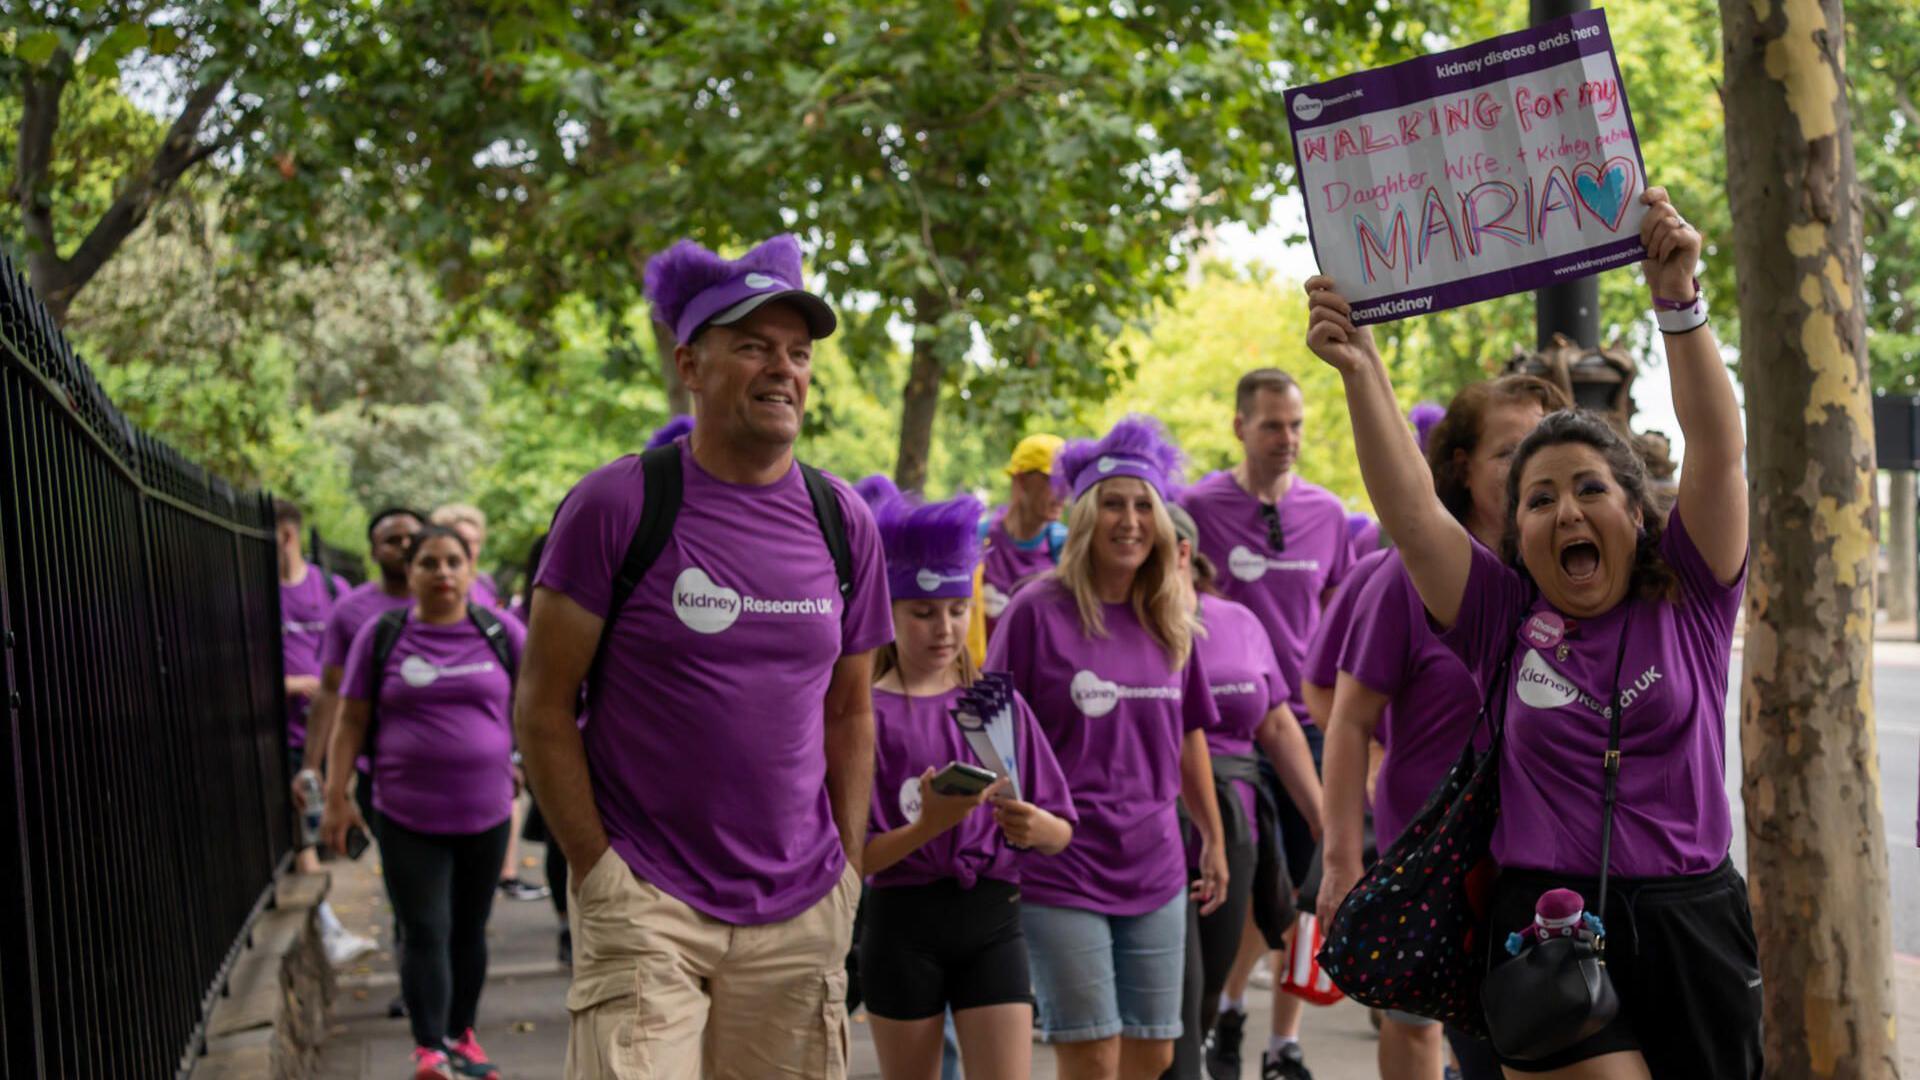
[(1034, 454)]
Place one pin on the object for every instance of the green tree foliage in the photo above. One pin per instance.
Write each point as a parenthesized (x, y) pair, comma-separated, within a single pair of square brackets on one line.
[(1883, 66)]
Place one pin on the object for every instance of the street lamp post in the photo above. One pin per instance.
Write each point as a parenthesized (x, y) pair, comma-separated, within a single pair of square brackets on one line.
[(1571, 308)]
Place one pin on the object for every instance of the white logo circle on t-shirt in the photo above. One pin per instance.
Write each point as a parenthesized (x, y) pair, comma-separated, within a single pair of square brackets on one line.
[(418, 671), (704, 606), (995, 599), (1246, 564), (910, 799), (1093, 695), (1540, 686)]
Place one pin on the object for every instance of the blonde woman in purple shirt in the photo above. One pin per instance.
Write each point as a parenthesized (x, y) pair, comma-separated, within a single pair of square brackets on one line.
[(1103, 650), (1595, 605), (1398, 685), (942, 910)]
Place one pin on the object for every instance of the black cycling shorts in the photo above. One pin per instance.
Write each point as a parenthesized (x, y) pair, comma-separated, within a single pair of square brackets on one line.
[(1682, 956), (927, 948)]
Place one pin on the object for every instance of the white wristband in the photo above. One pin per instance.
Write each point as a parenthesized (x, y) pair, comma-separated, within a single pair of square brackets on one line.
[(1680, 322)]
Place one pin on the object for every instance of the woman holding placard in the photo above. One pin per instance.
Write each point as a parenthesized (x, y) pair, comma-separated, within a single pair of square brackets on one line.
[(1606, 634)]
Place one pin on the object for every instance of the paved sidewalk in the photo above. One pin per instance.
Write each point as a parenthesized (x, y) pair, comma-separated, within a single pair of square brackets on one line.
[(523, 1018)]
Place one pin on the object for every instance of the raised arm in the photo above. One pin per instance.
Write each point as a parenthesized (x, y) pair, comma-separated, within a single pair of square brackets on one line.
[(1713, 486), (1433, 545)]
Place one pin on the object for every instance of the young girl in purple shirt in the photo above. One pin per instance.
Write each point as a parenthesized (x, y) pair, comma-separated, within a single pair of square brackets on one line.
[(942, 917), (1595, 606)]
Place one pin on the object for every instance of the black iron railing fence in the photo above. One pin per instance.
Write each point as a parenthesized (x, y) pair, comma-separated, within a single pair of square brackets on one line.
[(143, 808)]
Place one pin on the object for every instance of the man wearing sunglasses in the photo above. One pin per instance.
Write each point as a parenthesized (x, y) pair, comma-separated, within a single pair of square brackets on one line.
[(1281, 544)]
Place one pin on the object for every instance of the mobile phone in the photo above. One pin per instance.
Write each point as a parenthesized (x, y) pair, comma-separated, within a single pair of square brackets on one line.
[(959, 778), (356, 841)]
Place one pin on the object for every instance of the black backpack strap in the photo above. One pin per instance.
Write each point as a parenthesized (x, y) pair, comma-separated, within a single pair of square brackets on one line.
[(661, 493), (495, 632), (833, 526), (386, 635)]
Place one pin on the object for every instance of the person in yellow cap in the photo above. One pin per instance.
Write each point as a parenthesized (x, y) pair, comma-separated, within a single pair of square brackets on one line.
[(1024, 538)]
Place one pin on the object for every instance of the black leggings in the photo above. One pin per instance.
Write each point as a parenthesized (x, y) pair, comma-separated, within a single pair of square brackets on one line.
[(1213, 942), (442, 888)]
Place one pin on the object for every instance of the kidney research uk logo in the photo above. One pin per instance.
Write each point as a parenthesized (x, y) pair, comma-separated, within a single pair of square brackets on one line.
[(1246, 564), (705, 606), (1095, 696)]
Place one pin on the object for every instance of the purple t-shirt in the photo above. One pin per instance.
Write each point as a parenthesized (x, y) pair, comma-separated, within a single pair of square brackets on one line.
[(1011, 563), (1241, 671), (1433, 699), (1671, 815), (707, 743), (356, 609), (913, 734), (443, 743), (304, 609), (1322, 667), (1366, 541), (1283, 588), (1115, 713)]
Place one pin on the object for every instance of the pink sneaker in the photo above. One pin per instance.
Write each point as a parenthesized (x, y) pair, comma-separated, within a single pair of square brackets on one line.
[(429, 1064), (470, 1060)]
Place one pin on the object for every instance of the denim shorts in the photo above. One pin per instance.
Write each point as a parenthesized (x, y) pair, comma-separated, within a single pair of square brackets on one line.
[(1096, 976)]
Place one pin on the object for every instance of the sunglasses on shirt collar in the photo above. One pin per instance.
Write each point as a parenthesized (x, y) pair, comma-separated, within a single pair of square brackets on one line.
[(1276, 536)]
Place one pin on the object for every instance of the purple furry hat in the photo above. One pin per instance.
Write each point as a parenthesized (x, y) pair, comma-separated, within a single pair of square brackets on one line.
[(931, 548), (1137, 446), (1423, 417), (876, 489), (692, 288), (671, 430)]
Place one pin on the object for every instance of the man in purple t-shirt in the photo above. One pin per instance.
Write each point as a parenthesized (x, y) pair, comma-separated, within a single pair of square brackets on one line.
[(712, 800), (307, 595), (1023, 539), (1282, 547)]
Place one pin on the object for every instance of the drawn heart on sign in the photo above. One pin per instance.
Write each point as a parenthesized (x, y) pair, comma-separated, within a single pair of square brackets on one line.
[(1607, 188)]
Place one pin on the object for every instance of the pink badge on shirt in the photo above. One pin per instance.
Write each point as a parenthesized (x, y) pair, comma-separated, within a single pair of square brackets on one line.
[(1543, 630)]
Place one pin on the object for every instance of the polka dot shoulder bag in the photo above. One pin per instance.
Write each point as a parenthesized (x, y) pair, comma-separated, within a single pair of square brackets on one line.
[(1408, 936)]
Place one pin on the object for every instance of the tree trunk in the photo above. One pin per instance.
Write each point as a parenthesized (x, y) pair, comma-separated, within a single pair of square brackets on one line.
[(1900, 553), (679, 402), (920, 399), (1816, 840)]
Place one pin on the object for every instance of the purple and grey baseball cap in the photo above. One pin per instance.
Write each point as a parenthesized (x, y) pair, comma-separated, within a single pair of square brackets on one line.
[(692, 288)]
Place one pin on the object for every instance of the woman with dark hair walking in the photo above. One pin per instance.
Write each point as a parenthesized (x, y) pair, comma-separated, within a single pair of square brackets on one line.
[(428, 691), (1600, 625)]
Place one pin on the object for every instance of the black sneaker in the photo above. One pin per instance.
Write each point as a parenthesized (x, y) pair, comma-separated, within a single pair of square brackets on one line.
[(1289, 1064), (1223, 1045), (566, 948), (397, 1008)]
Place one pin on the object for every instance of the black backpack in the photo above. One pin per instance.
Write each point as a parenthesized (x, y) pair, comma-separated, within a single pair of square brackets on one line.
[(660, 505), (386, 635)]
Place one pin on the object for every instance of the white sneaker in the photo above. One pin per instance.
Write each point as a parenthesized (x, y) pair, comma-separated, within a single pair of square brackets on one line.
[(344, 946)]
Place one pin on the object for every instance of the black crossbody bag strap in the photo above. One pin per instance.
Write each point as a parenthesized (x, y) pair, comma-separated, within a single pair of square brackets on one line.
[(1611, 764)]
